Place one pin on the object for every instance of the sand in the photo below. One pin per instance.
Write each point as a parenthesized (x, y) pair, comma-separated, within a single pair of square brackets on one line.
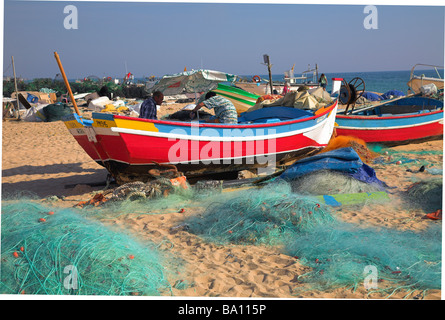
[(44, 159)]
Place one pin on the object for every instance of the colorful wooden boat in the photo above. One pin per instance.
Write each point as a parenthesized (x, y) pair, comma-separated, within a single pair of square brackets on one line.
[(397, 121), (129, 147)]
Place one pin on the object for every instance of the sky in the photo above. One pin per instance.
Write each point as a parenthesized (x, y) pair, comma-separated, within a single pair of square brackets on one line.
[(156, 38)]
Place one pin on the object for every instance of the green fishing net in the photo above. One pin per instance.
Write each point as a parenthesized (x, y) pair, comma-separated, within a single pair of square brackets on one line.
[(338, 253), (60, 252), (278, 213), (405, 158), (341, 255), (264, 215)]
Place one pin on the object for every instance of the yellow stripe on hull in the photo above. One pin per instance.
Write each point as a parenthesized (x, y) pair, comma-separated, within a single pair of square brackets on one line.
[(73, 124), (100, 123), (125, 123), (136, 125)]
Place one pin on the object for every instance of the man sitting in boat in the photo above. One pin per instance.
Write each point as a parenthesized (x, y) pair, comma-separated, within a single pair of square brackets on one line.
[(225, 111), (148, 107)]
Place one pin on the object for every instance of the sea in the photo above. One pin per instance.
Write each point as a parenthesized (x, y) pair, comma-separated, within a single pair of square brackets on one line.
[(374, 81)]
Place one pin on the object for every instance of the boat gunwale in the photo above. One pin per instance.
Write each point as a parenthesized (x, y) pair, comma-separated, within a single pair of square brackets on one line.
[(377, 117), (230, 126)]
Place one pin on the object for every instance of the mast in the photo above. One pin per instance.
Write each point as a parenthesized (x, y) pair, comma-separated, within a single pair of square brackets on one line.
[(67, 85), (267, 62), (16, 90)]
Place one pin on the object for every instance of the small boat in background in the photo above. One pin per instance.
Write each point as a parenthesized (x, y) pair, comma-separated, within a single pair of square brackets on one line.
[(241, 99), (308, 79), (397, 121), (416, 82)]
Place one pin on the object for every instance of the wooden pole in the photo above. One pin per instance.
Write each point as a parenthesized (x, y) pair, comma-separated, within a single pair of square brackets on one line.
[(267, 62), (270, 78), (67, 85), (16, 90), (316, 73)]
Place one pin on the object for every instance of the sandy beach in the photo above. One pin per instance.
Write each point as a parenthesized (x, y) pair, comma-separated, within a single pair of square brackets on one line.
[(44, 159)]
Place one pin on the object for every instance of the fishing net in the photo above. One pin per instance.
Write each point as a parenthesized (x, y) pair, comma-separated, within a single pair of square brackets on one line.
[(403, 157), (56, 111), (144, 206), (138, 197), (341, 255), (266, 215), (60, 252), (329, 182), (426, 194), (338, 253)]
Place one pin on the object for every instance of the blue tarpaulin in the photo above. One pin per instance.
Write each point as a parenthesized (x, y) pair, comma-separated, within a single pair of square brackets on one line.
[(367, 174), (393, 93), (344, 159), (371, 96)]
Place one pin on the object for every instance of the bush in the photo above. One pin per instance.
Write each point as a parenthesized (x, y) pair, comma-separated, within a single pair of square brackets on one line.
[(131, 91)]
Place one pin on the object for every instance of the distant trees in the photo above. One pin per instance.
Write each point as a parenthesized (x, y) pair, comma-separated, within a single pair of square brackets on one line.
[(9, 87), (128, 91)]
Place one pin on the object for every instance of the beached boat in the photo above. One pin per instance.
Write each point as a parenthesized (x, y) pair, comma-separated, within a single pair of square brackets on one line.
[(416, 81), (397, 121), (263, 139)]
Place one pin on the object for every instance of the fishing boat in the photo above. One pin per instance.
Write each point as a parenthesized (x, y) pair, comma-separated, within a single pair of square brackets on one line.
[(241, 99), (261, 86), (263, 139), (416, 81), (397, 121), (129, 148)]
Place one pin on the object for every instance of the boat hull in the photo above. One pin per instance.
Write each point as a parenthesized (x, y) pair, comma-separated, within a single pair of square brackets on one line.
[(424, 123), (129, 147), (83, 132)]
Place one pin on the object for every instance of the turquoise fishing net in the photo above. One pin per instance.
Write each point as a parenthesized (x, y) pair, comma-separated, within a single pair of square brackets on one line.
[(266, 215), (112, 263), (339, 254), (175, 201), (405, 158), (68, 254)]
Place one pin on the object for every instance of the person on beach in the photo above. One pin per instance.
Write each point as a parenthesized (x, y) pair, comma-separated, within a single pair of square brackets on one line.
[(286, 88), (225, 111), (323, 81), (148, 107)]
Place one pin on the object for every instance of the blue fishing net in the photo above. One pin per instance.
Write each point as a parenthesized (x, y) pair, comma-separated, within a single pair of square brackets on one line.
[(60, 252)]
